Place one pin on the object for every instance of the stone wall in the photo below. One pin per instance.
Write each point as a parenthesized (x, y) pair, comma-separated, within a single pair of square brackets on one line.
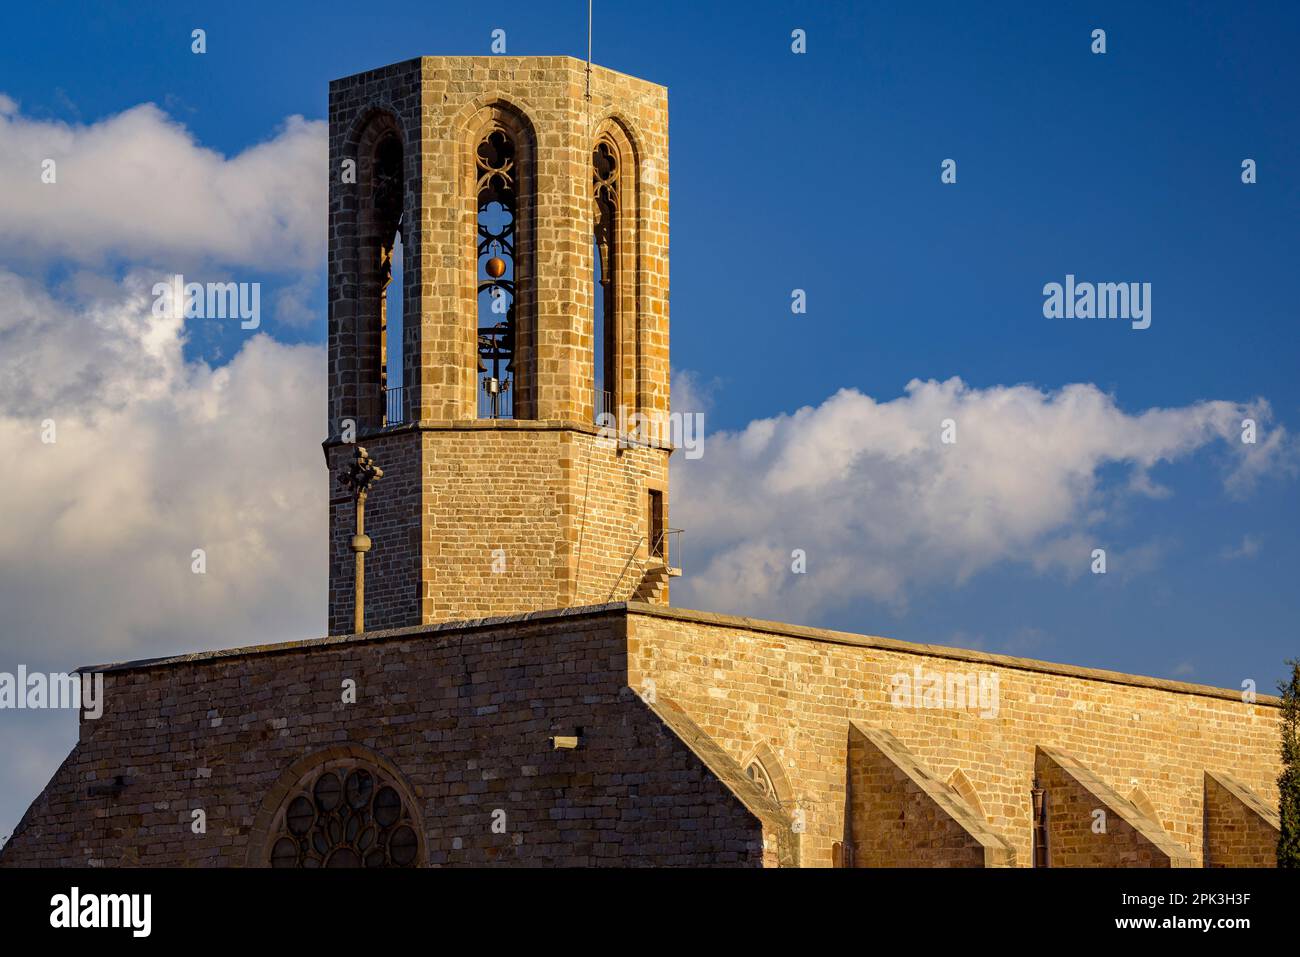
[(355, 103), (670, 710), (1089, 824), (492, 522), (393, 507), (902, 816), (492, 518), (549, 95), (1240, 831), (791, 692), (462, 715), (608, 511)]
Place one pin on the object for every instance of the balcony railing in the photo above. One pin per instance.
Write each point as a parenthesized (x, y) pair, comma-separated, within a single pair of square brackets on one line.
[(396, 407), (604, 405), (663, 550), (667, 548)]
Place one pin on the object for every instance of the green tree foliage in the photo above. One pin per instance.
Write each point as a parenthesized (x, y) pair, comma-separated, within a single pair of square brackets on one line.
[(1288, 782)]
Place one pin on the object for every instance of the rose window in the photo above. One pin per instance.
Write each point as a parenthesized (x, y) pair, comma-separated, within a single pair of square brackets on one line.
[(345, 817)]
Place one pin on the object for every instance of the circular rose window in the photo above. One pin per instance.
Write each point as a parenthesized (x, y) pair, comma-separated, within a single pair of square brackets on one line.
[(345, 816)]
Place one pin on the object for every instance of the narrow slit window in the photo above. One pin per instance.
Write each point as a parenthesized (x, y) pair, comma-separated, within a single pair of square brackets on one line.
[(387, 199), (658, 549), (392, 326)]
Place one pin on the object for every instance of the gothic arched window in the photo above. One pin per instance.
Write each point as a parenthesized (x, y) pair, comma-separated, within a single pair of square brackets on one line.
[(345, 813), (498, 171), (387, 198), (377, 323), (605, 197)]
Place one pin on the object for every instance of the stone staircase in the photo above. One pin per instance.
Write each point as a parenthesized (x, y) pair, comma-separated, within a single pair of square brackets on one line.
[(654, 585), (655, 568)]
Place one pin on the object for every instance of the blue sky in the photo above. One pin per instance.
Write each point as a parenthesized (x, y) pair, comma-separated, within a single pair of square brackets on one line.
[(821, 172)]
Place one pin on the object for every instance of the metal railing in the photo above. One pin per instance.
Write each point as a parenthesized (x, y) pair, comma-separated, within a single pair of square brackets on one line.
[(666, 547), (657, 555), (396, 408), (495, 399), (604, 405)]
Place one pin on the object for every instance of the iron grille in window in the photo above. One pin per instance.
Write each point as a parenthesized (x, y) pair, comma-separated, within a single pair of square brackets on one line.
[(498, 211)]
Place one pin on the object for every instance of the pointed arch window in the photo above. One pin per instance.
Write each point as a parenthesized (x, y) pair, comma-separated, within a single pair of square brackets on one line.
[(387, 198), (377, 329), (605, 196), (497, 167)]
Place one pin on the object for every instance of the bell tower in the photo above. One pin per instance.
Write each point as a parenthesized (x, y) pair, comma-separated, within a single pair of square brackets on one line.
[(498, 338)]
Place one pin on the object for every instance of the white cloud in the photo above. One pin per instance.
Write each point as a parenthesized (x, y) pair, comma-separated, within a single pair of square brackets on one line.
[(138, 185), (884, 509), (154, 457), (294, 303), (690, 394)]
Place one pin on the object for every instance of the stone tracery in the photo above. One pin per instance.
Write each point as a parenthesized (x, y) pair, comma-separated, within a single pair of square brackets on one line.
[(345, 814)]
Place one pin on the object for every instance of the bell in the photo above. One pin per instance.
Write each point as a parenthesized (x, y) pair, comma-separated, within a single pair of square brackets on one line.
[(496, 267)]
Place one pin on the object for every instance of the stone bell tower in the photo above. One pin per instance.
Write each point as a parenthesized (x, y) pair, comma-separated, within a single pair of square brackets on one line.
[(529, 199)]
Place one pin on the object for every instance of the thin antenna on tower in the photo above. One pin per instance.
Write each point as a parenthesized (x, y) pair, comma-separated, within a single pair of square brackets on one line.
[(589, 51)]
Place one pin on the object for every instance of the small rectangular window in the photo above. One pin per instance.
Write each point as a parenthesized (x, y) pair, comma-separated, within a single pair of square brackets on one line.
[(1039, 798), (656, 524)]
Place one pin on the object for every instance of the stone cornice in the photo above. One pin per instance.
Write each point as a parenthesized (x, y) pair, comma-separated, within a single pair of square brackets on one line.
[(489, 425), (943, 651), (801, 632)]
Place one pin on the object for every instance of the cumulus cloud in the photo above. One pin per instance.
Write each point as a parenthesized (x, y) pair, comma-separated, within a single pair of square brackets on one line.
[(153, 457), (294, 303), (691, 394), (884, 508), (138, 184)]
